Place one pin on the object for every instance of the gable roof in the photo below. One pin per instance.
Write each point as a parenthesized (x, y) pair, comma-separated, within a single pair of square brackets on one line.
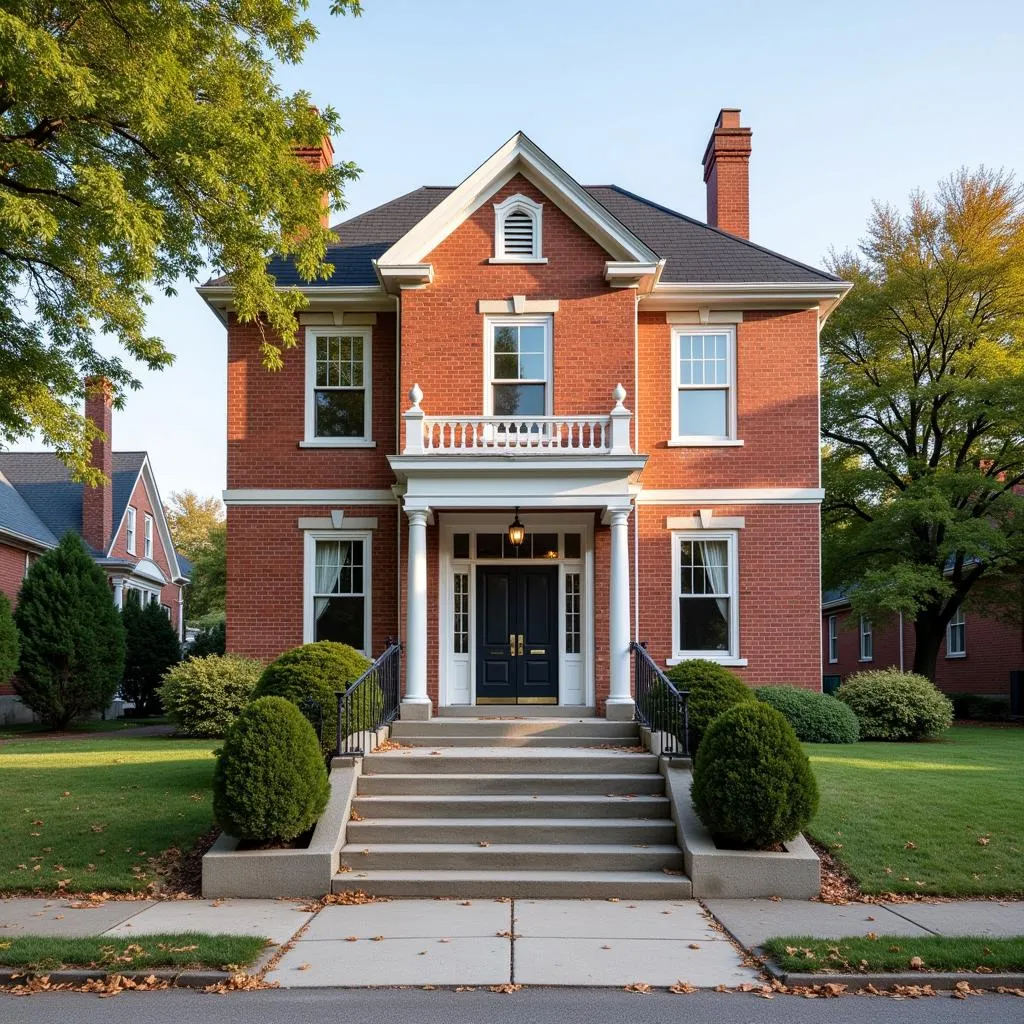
[(45, 486), (18, 519)]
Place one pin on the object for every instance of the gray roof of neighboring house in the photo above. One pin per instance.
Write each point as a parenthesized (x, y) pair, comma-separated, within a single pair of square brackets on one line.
[(17, 517), (694, 253), (45, 486), (184, 566)]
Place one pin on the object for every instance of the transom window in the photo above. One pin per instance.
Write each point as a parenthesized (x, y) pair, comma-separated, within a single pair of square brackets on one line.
[(956, 635), (519, 367), (339, 591), (338, 386), (703, 404), (867, 639), (705, 623), (517, 230)]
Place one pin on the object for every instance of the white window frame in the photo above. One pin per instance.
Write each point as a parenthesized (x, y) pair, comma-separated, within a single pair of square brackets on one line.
[(309, 576), (833, 639), (732, 655), (311, 439), (867, 632), (130, 529), (526, 320), (703, 440), (147, 535), (959, 619), (535, 211)]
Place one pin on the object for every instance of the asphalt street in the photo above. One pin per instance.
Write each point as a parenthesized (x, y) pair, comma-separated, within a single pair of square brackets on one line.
[(530, 1006)]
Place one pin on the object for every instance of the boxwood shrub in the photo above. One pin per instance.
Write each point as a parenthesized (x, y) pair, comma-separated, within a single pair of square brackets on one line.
[(894, 705), (314, 672), (270, 783), (204, 696), (713, 689), (815, 717), (753, 785)]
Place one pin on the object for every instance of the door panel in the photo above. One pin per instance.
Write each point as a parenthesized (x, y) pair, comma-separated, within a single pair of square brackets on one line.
[(537, 681), (495, 616)]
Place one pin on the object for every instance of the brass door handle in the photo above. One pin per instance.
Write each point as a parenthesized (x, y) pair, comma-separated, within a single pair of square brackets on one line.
[(511, 645), (520, 645)]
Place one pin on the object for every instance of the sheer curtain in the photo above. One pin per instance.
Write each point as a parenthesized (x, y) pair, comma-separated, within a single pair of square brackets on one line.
[(715, 556), (330, 557)]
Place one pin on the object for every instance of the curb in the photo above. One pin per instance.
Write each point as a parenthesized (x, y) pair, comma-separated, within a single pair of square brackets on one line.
[(938, 980)]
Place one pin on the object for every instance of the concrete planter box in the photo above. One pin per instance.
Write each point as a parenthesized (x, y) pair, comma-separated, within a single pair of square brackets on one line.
[(737, 874), (256, 874)]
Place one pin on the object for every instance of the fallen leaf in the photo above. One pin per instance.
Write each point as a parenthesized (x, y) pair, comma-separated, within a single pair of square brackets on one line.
[(909, 845), (916, 963), (483, 842), (352, 938), (303, 967), (694, 945), (983, 840), (682, 988), (638, 986), (506, 989), (378, 938)]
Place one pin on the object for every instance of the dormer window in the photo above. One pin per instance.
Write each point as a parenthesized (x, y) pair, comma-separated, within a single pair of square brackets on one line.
[(517, 231)]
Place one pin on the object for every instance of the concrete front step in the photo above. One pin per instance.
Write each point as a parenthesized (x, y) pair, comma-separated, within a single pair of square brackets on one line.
[(588, 742), (483, 760), (539, 805), (512, 857), (637, 885), (494, 728), (509, 785), (544, 831)]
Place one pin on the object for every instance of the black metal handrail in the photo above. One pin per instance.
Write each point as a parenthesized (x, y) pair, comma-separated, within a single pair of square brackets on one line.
[(660, 705), (371, 702)]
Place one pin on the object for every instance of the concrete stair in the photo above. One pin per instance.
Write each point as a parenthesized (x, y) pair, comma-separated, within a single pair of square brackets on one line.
[(528, 808)]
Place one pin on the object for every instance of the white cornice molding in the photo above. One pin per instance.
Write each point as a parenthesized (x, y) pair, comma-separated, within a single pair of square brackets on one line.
[(297, 496), (517, 305), (399, 276), (673, 295), (337, 522), (628, 274), (733, 496), (703, 316)]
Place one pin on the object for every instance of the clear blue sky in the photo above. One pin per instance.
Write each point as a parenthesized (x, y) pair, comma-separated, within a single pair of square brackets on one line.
[(848, 103)]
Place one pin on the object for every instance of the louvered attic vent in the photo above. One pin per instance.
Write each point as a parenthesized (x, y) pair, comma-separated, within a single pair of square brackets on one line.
[(517, 230), (518, 234)]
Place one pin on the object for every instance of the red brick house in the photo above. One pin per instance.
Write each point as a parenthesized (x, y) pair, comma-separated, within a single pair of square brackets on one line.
[(638, 388), (121, 522)]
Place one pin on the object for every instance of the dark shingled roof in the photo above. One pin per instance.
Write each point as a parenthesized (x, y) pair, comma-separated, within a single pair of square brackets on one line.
[(17, 517), (693, 252), (45, 485)]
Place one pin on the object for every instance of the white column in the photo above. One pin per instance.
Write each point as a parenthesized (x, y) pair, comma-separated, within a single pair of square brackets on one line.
[(118, 592), (620, 703), (416, 703)]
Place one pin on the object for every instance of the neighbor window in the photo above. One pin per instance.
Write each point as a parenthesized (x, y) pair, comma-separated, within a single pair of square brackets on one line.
[(956, 635), (338, 575), (519, 367), (833, 639), (867, 640), (704, 392), (129, 531), (148, 535), (705, 622), (338, 386), (517, 230)]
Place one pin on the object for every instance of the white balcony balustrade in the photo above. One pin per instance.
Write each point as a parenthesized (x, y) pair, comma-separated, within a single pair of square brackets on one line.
[(526, 435)]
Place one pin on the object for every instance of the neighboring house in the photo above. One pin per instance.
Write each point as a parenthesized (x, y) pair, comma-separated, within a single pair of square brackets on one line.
[(637, 388), (122, 522), (977, 655)]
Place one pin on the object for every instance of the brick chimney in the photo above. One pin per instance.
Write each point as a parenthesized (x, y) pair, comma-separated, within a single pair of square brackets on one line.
[(98, 502), (726, 163), (319, 158)]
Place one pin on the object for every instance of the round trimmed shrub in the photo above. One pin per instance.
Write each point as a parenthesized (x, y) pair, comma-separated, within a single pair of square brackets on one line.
[(752, 782), (713, 689), (204, 696), (315, 672), (270, 783), (815, 717), (894, 705)]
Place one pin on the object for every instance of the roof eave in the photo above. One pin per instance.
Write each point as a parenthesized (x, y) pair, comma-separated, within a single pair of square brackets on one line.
[(825, 295)]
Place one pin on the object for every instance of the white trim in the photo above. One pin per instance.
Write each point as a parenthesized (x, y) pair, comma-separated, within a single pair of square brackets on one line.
[(707, 520), (336, 318), (332, 522), (310, 537), (727, 662), (733, 496), (868, 633), (542, 320), (516, 304), (833, 639), (535, 211), (299, 496), (732, 655), (131, 528), (702, 442), (149, 570), (704, 315), (311, 438), (730, 387)]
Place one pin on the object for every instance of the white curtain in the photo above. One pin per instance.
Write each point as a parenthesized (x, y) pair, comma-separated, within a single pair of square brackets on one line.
[(715, 556), (331, 555)]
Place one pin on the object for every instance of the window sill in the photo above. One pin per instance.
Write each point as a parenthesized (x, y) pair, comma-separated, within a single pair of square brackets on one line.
[(728, 660), (338, 442), (833, 661), (522, 259), (954, 657), (703, 442), (865, 661)]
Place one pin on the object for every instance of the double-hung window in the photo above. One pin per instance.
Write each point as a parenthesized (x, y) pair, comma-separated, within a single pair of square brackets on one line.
[(833, 639), (703, 386), (706, 614), (867, 640), (338, 395), (956, 635), (147, 537), (129, 530), (338, 588), (518, 367)]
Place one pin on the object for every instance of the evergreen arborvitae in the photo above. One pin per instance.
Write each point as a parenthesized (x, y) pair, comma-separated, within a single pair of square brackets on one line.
[(72, 640), (151, 648), (9, 644)]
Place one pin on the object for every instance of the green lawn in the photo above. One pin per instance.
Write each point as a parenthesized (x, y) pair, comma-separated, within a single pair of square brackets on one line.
[(945, 817), (897, 953), (138, 953), (86, 815)]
